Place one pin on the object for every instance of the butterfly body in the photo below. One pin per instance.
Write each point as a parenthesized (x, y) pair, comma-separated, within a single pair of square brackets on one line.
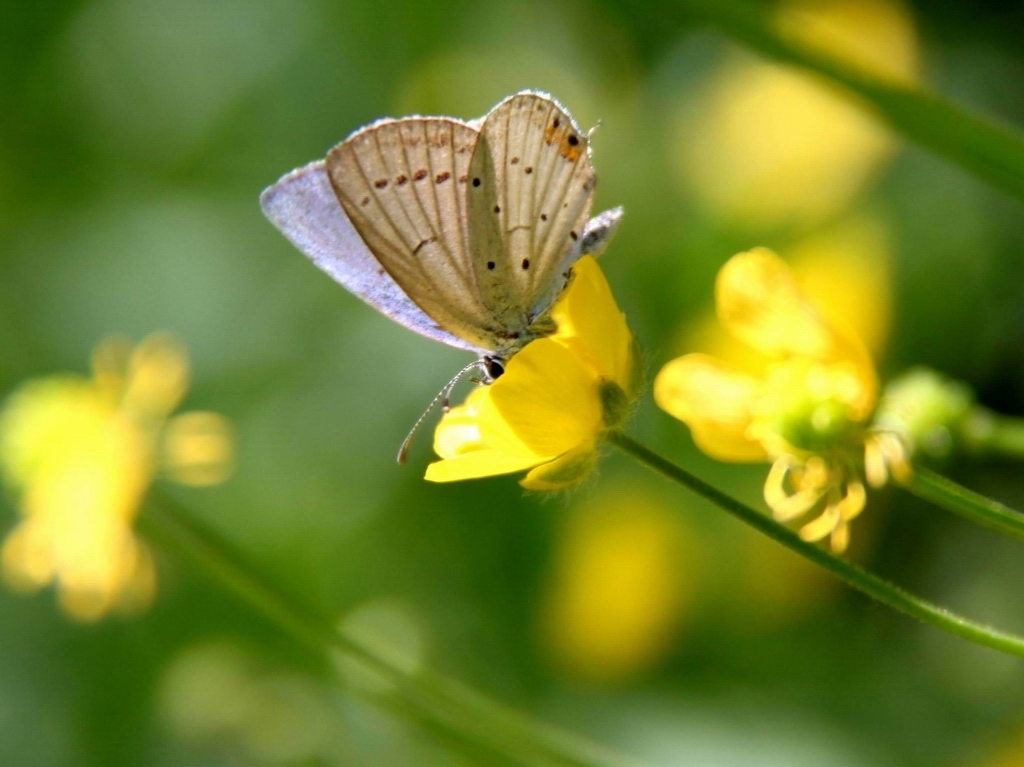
[(465, 232)]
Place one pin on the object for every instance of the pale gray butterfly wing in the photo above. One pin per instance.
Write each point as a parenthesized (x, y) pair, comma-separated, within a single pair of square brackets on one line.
[(543, 187), (402, 184), (304, 207)]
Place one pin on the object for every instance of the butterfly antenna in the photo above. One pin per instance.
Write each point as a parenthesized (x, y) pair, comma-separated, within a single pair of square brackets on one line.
[(442, 397)]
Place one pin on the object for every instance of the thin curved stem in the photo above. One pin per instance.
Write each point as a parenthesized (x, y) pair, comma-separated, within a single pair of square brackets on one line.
[(877, 588), (448, 708), (968, 504)]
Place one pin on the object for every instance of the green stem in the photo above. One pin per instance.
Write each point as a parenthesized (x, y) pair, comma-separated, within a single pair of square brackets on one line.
[(993, 434), (875, 587), (1008, 438), (990, 150), (457, 713), (968, 504)]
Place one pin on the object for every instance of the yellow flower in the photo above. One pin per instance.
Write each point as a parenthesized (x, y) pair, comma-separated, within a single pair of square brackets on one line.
[(808, 412), (771, 145), (841, 269), (78, 455), (554, 400)]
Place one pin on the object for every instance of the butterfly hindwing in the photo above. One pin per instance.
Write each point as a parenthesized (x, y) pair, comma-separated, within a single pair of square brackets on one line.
[(303, 206), (402, 184)]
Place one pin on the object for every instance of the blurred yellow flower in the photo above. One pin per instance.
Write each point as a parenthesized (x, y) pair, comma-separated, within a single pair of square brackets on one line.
[(875, 36), (618, 588), (808, 412), (843, 269), (78, 455), (770, 145), (554, 400)]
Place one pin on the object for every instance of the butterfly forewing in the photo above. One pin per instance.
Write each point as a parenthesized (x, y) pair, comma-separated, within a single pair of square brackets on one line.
[(402, 183), (543, 185)]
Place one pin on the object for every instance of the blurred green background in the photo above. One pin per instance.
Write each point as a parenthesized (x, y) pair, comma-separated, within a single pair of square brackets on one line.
[(135, 137)]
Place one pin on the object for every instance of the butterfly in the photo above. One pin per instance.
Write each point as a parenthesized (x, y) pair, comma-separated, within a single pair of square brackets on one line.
[(464, 232)]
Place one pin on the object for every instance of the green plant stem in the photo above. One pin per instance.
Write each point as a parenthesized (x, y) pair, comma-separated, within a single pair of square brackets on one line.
[(875, 587), (987, 433), (993, 151), (1008, 438), (968, 504), (450, 709)]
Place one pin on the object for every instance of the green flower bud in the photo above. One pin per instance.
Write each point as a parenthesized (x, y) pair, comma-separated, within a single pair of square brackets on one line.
[(930, 412)]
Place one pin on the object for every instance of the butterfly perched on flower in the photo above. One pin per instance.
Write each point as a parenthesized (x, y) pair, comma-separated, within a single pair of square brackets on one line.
[(465, 232)]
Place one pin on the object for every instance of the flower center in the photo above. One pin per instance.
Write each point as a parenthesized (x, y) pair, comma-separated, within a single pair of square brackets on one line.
[(811, 407)]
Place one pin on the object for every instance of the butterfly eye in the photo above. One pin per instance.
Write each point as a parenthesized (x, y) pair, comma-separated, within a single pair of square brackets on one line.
[(495, 367)]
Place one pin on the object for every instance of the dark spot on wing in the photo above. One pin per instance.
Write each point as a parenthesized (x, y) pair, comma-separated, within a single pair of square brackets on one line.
[(380, 183), (497, 209), (476, 182), (463, 179), (556, 122), (365, 201), (526, 263), (528, 170), (402, 180), (574, 235), (514, 161), (442, 177), (570, 148), (420, 175), (543, 216), (491, 265)]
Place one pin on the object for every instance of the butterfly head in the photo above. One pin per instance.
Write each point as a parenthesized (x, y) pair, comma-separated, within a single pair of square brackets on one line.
[(492, 367)]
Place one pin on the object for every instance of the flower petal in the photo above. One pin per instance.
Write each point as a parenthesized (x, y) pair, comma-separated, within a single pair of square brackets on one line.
[(759, 302), (563, 472), (591, 324), (547, 398), (476, 464), (459, 429), (157, 377), (715, 401), (42, 414), (198, 448)]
